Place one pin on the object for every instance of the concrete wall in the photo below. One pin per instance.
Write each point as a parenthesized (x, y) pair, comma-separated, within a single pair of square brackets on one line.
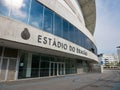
[(11, 30)]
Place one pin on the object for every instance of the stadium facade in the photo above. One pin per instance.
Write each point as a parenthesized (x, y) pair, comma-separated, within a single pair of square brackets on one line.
[(46, 38)]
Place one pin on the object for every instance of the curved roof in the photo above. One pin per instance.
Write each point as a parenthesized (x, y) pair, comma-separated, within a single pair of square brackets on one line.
[(89, 13)]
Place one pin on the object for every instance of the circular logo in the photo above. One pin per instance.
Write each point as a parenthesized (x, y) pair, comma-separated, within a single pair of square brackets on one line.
[(25, 34)]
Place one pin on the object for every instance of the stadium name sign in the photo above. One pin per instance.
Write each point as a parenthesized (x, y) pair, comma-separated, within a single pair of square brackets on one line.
[(58, 44)]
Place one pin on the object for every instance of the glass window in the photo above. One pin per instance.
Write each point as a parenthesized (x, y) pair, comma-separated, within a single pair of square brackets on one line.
[(35, 66), (90, 45), (70, 66), (44, 69), (1, 49), (44, 66), (76, 36), (65, 30), (23, 65), (10, 52), (48, 20), (5, 7), (86, 42), (20, 10), (94, 49), (80, 38), (36, 14), (83, 40), (71, 33), (57, 27)]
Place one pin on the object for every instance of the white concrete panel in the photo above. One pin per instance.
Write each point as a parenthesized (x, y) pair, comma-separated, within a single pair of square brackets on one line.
[(11, 30)]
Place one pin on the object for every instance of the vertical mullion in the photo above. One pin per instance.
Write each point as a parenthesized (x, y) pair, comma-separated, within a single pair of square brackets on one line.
[(49, 68), (39, 66), (6, 75), (2, 58), (17, 65)]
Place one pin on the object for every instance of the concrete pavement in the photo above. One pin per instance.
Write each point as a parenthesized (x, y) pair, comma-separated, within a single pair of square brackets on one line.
[(109, 80)]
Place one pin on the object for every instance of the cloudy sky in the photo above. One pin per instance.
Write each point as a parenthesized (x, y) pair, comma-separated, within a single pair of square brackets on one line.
[(107, 32)]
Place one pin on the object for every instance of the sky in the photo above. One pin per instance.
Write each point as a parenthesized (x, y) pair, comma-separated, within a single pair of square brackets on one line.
[(107, 30)]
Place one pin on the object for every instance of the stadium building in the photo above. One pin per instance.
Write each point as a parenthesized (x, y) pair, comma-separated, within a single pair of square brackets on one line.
[(46, 38)]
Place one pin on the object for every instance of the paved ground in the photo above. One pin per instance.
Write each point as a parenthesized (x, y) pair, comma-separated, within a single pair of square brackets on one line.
[(109, 80)]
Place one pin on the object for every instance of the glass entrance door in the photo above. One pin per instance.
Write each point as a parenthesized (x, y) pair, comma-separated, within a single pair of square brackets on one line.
[(4, 66), (53, 69), (61, 68), (56, 68), (8, 69), (12, 68)]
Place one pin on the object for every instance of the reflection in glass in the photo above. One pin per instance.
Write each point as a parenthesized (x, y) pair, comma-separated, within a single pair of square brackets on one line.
[(76, 36), (71, 33), (36, 14), (48, 20), (85, 43), (23, 65), (70, 66), (5, 7), (57, 27), (80, 38), (90, 45), (65, 30), (20, 10)]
